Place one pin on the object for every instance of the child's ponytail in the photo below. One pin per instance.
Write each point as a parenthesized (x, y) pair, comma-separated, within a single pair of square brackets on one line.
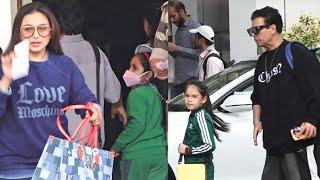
[(219, 124)]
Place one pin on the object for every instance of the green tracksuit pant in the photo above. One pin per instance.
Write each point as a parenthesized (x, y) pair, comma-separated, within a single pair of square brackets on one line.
[(153, 167), (210, 171)]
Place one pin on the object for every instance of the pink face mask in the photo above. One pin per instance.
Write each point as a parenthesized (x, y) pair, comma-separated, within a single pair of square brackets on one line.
[(131, 78)]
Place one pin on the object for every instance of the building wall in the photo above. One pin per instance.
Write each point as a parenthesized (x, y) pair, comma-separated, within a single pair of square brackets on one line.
[(242, 46), (8, 10), (216, 15), (5, 19), (229, 19), (293, 8)]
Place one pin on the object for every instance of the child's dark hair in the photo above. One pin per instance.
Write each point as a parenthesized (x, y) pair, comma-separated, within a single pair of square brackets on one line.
[(152, 15), (144, 60), (219, 124)]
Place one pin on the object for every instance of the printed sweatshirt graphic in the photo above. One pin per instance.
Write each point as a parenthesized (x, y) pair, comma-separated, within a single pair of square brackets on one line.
[(28, 115)]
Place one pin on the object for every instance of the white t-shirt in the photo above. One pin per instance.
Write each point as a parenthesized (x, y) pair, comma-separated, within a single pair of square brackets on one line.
[(214, 64)]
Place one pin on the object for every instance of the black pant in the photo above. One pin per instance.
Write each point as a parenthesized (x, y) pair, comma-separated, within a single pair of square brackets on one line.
[(300, 165), (112, 127)]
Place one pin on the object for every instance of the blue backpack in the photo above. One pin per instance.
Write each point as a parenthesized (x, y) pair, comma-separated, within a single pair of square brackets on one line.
[(316, 86), (289, 56)]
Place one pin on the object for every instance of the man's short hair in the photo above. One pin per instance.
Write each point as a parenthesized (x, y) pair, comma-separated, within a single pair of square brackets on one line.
[(177, 5), (270, 15), (69, 14), (206, 41)]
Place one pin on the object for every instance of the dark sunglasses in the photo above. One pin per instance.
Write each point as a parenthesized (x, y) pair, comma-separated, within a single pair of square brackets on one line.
[(255, 30)]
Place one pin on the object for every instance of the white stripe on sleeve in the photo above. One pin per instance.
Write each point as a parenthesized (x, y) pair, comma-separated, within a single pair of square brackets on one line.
[(204, 134)]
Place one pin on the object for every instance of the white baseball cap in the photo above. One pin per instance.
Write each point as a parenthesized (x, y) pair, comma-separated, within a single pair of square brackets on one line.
[(205, 31)]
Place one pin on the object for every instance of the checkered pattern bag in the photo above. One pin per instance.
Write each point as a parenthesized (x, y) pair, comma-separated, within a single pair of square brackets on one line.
[(65, 159)]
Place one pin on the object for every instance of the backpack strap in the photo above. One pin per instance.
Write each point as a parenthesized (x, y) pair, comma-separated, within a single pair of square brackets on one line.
[(97, 55), (289, 56), (204, 66)]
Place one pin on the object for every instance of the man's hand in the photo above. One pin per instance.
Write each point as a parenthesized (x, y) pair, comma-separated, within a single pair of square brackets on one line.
[(117, 108), (307, 131), (257, 128), (172, 47), (161, 74)]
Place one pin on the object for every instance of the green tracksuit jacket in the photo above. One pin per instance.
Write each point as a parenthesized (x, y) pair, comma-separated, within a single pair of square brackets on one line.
[(199, 137), (143, 135)]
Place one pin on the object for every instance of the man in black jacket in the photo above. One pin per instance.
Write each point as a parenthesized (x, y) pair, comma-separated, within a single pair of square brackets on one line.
[(285, 98)]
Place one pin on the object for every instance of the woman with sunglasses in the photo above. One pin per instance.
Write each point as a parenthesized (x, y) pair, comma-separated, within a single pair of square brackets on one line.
[(29, 105)]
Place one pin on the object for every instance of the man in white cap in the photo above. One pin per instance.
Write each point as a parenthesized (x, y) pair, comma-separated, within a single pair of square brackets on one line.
[(210, 62)]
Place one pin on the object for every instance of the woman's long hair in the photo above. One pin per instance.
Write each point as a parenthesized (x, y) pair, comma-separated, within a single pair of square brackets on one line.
[(152, 15), (144, 60), (219, 124), (54, 43)]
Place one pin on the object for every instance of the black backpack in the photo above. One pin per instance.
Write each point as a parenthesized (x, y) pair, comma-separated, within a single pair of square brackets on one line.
[(225, 64)]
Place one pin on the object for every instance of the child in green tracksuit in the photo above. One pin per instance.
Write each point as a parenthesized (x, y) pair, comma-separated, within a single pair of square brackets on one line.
[(198, 143), (142, 142)]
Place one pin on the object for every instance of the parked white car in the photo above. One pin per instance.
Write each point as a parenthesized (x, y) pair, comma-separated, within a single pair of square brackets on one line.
[(236, 157)]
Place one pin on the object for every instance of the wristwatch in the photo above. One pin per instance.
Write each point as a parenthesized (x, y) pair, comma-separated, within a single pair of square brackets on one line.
[(187, 150)]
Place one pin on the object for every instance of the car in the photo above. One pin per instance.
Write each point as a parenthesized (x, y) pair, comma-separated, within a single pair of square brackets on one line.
[(236, 157)]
